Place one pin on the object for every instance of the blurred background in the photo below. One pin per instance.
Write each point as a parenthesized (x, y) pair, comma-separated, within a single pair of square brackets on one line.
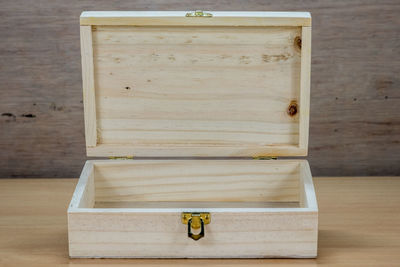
[(355, 83)]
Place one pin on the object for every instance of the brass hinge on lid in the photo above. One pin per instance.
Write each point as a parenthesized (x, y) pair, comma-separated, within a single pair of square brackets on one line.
[(126, 157), (264, 158), (198, 13)]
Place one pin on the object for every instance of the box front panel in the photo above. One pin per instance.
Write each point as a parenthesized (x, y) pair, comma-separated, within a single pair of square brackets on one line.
[(158, 235)]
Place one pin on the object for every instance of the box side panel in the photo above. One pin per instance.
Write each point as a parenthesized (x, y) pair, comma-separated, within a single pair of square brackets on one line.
[(307, 192), (305, 77), (159, 235), (89, 101), (84, 195)]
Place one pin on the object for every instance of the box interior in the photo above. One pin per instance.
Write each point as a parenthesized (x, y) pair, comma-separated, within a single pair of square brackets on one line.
[(190, 184)]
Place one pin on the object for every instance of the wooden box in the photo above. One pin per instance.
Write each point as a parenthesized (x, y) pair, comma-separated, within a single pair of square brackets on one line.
[(195, 98)]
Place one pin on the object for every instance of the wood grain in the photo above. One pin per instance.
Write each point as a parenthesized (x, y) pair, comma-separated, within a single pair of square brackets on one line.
[(359, 225), (197, 180), (160, 235), (355, 92), (305, 76), (179, 90), (89, 95)]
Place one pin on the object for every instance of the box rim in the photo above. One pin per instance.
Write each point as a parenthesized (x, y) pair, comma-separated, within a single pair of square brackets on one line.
[(220, 18)]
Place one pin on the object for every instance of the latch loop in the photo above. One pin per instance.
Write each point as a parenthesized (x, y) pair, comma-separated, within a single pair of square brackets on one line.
[(195, 221)]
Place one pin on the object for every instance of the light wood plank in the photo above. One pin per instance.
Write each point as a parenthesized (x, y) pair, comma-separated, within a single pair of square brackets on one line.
[(307, 195), (185, 150), (230, 93), (305, 87), (197, 180), (158, 235), (174, 18), (84, 195), (194, 205), (89, 101)]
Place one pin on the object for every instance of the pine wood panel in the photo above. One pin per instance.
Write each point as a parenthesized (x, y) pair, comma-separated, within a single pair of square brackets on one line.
[(193, 205), (355, 92), (180, 88), (89, 86), (230, 234), (195, 180), (138, 18)]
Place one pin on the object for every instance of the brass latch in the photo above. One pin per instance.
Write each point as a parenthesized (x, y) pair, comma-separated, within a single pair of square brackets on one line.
[(196, 220), (264, 158), (198, 13), (126, 157)]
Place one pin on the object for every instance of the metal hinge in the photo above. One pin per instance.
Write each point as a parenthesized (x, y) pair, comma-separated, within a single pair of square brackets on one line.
[(264, 158), (126, 157), (198, 13)]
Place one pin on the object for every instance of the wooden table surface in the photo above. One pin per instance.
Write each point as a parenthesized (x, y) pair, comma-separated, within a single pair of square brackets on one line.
[(359, 225)]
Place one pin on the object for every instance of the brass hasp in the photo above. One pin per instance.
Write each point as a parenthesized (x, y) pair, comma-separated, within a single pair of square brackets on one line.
[(196, 220)]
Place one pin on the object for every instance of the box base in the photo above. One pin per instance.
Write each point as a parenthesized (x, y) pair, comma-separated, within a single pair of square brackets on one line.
[(132, 209)]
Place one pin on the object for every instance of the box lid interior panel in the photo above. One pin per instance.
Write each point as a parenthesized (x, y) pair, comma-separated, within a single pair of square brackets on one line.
[(196, 90)]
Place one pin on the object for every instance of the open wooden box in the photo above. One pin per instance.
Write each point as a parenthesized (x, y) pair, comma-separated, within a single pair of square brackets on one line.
[(189, 89)]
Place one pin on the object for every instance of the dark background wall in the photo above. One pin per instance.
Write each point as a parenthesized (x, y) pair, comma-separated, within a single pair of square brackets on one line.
[(355, 103)]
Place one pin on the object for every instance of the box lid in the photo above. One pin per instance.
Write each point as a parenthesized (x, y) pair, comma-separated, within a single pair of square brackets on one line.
[(168, 84)]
